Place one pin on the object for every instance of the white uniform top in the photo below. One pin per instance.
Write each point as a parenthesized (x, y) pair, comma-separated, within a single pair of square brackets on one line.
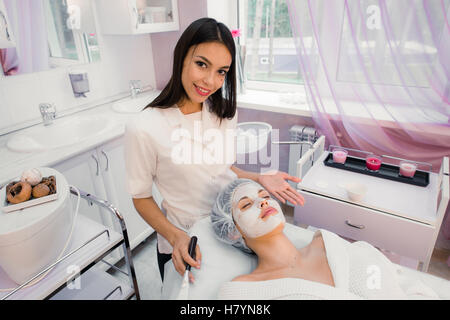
[(189, 158)]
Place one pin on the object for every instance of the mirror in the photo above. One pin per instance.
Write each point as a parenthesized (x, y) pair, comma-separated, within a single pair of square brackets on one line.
[(49, 34)]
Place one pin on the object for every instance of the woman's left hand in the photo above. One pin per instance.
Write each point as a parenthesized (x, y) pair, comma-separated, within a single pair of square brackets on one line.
[(276, 184)]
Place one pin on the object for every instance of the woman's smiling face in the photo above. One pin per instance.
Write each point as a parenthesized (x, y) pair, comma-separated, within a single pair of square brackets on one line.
[(254, 211), (204, 70)]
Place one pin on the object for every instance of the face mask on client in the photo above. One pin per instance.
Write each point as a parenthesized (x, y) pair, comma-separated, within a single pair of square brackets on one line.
[(254, 211)]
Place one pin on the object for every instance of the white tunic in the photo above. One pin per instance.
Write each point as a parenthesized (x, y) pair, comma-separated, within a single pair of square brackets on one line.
[(189, 158)]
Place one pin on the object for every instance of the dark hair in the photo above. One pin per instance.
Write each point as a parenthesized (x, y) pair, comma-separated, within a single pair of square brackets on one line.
[(223, 104)]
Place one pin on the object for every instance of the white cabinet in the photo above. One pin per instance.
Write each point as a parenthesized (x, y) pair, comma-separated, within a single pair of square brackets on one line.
[(101, 172), (401, 218), (83, 172), (114, 175), (137, 16)]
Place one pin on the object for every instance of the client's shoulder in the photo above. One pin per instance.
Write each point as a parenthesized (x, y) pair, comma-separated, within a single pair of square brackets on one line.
[(251, 277), (244, 277)]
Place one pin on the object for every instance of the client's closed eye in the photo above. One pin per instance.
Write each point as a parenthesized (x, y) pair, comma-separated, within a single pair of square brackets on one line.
[(246, 202), (245, 205), (264, 194)]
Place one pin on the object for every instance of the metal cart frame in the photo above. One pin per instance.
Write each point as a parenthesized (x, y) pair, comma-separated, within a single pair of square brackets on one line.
[(124, 242)]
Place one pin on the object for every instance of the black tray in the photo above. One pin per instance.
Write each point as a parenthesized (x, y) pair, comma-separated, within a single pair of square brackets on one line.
[(386, 171)]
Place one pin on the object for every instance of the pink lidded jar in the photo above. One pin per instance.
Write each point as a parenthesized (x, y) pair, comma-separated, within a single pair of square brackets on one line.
[(407, 169), (339, 155)]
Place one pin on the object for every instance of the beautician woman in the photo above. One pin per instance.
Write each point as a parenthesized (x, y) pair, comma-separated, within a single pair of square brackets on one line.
[(201, 95)]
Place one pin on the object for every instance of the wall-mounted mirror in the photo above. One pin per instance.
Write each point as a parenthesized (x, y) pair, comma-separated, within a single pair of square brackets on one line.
[(6, 37), (49, 34)]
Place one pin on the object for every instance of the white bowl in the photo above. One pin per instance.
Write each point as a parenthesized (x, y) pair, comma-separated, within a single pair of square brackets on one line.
[(355, 191), (252, 136)]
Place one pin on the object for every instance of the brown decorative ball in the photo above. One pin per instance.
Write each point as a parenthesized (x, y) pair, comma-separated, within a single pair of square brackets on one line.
[(50, 182), (40, 190), (19, 192)]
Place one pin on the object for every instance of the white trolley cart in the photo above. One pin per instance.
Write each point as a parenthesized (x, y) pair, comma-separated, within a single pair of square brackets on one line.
[(75, 275)]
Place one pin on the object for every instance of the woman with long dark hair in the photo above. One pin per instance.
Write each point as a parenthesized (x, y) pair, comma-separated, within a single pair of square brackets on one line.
[(184, 142)]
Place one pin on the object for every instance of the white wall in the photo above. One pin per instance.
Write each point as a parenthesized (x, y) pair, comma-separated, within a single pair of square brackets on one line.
[(223, 11), (164, 42), (122, 58)]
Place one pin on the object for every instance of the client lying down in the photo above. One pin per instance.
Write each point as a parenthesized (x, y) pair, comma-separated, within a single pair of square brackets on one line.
[(329, 267)]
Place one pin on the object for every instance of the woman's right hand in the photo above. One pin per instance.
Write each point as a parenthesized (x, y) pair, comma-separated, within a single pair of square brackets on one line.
[(180, 254)]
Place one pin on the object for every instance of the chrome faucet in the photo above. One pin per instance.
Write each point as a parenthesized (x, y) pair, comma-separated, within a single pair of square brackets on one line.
[(135, 88), (48, 113)]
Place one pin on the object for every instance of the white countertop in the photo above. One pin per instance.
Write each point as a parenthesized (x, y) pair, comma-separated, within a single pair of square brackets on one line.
[(397, 198), (12, 164)]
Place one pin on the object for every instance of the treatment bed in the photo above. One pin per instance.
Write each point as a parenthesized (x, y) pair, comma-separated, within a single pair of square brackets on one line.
[(221, 263)]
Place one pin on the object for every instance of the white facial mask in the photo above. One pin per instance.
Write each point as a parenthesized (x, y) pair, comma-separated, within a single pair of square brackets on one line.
[(249, 219)]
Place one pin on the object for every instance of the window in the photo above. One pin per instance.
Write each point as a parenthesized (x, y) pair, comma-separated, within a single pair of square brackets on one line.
[(71, 34), (267, 47), (61, 37), (407, 46), (400, 43)]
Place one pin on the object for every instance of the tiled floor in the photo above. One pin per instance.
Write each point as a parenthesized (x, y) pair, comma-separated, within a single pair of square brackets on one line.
[(149, 280)]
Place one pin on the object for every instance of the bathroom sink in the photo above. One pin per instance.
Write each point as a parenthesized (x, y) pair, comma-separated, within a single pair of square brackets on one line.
[(135, 105), (63, 132)]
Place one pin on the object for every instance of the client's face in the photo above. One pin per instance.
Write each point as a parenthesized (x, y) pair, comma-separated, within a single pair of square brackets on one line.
[(254, 211)]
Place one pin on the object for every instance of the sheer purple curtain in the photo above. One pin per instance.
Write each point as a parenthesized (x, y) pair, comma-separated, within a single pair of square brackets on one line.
[(28, 23), (376, 74), (9, 61)]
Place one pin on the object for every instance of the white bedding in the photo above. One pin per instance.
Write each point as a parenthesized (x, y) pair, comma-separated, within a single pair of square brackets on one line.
[(221, 263), (282, 289)]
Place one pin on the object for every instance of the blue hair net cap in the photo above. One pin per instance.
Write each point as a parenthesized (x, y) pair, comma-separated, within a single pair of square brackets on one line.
[(222, 217)]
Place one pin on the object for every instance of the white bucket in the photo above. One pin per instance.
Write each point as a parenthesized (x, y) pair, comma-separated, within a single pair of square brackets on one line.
[(252, 136), (32, 238)]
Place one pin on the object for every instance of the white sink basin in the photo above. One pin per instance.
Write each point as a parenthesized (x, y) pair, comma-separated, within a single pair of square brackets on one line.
[(135, 105), (62, 133)]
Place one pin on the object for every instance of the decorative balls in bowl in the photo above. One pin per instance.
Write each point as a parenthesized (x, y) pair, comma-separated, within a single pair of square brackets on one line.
[(30, 186)]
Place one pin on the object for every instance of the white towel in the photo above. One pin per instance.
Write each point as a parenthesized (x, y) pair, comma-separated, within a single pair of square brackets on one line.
[(282, 289), (359, 270)]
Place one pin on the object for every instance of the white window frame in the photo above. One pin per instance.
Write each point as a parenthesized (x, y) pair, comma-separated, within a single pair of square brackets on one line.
[(262, 85), (82, 54), (79, 45)]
